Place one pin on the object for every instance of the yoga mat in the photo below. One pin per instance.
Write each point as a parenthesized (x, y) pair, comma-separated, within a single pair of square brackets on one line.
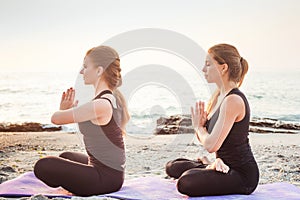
[(145, 188), (27, 185)]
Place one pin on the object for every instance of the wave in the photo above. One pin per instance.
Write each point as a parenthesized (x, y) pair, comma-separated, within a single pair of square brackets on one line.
[(10, 90), (290, 118)]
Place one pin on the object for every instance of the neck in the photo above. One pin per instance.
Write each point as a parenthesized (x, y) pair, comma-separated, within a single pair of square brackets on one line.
[(100, 86), (226, 87)]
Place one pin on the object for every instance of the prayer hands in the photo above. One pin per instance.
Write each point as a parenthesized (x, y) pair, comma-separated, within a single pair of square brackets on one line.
[(219, 166), (67, 99), (199, 116)]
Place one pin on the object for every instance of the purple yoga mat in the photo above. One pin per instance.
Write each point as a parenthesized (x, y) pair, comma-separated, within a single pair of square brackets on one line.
[(27, 185), (146, 188)]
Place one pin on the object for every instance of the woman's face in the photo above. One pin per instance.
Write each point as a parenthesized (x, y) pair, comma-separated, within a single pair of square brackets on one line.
[(212, 70), (89, 71)]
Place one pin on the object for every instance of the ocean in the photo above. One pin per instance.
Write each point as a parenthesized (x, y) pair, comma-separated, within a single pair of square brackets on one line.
[(34, 96)]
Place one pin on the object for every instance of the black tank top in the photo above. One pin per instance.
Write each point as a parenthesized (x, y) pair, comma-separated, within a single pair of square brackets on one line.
[(235, 150), (104, 144)]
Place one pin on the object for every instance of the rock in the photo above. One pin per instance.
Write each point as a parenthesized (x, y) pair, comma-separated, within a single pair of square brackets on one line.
[(2, 179), (28, 127), (177, 124), (274, 123), (7, 169), (36, 197), (181, 124)]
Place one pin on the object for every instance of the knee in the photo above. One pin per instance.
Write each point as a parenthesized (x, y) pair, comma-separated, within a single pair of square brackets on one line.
[(66, 155), (187, 185), (184, 185), (44, 166), (168, 167), (175, 169), (171, 170), (41, 167)]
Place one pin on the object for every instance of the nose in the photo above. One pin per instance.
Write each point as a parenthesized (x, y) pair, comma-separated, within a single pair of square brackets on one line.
[(204, 69), (81, 71)]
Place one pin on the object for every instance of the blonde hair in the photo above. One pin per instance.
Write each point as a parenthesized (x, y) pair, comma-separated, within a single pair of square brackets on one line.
[(237, 67), (108, 58)]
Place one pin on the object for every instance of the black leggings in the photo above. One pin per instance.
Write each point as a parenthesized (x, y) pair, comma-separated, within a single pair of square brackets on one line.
[(195, 180), (71, 171)]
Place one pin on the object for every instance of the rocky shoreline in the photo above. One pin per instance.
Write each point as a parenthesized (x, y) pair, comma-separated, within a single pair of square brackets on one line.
[(175, 124), (181, 124), (28, 127)]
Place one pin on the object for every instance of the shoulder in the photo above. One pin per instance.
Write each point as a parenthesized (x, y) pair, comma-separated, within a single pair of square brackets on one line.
[(101, 104), (107, 100), (233, 103)]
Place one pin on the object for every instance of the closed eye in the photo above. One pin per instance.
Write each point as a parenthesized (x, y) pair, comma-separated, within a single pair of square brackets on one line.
[(207, 63)]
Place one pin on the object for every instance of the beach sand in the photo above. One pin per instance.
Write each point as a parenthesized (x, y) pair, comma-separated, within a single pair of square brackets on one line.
[(278, 155)]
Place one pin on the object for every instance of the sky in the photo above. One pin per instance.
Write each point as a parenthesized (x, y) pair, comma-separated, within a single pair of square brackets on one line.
[(53, 35)]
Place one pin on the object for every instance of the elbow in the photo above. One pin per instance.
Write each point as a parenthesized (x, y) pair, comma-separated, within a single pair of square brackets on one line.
[(55, 119)]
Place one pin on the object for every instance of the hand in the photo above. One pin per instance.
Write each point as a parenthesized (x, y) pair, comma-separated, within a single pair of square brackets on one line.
[(67, 99), (219, 166), (199, 117)]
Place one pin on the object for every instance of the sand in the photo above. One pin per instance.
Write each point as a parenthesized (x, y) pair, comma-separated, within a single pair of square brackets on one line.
[(278, 155)]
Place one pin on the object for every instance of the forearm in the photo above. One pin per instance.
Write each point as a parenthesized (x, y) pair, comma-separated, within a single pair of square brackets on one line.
[(63, 117), (206, 139), (202, 135)]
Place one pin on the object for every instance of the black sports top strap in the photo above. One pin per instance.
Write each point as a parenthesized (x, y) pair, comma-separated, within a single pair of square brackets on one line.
[(103, 93)]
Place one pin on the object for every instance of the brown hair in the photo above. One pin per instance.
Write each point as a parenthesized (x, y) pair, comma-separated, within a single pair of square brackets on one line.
[(237, 66), (108, 58)]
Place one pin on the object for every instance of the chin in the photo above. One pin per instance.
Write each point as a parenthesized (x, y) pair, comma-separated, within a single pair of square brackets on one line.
[(86, 82)]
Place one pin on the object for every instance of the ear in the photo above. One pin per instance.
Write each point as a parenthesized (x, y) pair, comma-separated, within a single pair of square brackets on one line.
[(100, 71), (224, 68)]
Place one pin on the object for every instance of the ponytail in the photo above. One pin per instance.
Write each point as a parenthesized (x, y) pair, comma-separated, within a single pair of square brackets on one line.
[(121, 102), (244, 66)]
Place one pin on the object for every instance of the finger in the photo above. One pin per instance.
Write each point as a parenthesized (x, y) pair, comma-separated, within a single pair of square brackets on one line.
[(69, 93), (205, 114), (192, 115), (223, 169), (201, 108), (198, 110), (226, 169), (192, 112), (76, 103), (63, 96), (73, 95), (222, 166)]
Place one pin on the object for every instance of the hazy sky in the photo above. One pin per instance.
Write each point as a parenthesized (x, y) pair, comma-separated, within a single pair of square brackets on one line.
[(43, 35)]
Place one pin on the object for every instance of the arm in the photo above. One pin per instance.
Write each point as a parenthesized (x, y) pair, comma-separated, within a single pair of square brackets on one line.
[(99, 109), (231, 109)]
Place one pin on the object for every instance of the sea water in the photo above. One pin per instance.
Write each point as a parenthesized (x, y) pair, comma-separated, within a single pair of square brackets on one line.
[(34, 96)]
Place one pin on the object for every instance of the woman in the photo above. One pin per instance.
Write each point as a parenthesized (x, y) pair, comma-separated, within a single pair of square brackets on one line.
[(222, 129), (102, 122)]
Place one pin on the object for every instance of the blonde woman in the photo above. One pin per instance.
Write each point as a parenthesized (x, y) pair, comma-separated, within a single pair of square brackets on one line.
[(223, 129), (101, 121)]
